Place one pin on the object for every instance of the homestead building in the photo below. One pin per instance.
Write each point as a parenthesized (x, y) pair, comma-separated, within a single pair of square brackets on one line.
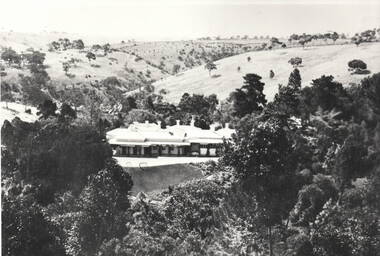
[(150, 140)]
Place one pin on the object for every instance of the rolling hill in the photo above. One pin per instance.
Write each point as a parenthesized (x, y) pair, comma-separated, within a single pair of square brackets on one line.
[(317, 61), (17, 110), (134, 64)]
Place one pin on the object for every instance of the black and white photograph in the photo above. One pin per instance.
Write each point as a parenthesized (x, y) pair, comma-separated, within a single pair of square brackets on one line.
[(190, 127)]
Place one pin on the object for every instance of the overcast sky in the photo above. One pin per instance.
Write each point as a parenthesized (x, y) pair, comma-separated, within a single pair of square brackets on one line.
[(182, 19)]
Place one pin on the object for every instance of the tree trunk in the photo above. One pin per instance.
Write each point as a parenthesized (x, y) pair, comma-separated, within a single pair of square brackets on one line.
[(270, 241)]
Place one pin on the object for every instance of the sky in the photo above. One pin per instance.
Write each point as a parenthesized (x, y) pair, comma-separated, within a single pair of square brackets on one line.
[(188, 19)]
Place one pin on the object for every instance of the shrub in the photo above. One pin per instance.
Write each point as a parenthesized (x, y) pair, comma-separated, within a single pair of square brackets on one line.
[(296, 61), (357, 64)]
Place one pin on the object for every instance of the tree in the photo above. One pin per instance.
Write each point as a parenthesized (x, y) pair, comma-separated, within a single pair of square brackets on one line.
[(78, 44), (357, 40), (262, 156), (9, 55), (6, 93), (106, 48), (335, 36), (274, 41), (293, 37), (287, 100), (128, 104), (139, 115), (250, 97), (47, 109), (37, 68), (295, 62), (367, 100), (102, 206), (199, 106), (96, 47), (312, 198), (368, 35), (271, 74), (55, 157), (66, 66), (90, 56), (210, 66), (353, 158), (328, 95), (54, 46), (357, 64), (31, 93), (93, 101), (295, 79), (304, 39), (35, 58), (67, 112), (25, 229), (176, 68)]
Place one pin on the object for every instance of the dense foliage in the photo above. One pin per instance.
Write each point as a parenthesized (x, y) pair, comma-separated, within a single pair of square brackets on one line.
[(300, 177)]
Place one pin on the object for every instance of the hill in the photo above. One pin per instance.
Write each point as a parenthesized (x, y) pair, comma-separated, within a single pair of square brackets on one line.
[(130, 65), (16, 110), (317, 61)]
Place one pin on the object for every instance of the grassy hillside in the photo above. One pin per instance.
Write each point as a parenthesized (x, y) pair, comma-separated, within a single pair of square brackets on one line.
[(186, 54), (317, 61), (12, 110), (133, 64), (116, 63), (158, 178)]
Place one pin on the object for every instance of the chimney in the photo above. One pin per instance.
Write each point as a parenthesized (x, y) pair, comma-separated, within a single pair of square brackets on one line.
[(159, 124), (227, 125), (192, 122), (212, 127), (146, 122), (177, 122)]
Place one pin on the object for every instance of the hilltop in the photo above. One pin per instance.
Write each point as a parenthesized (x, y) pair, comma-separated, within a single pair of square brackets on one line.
[(317, 61), (125, 66)]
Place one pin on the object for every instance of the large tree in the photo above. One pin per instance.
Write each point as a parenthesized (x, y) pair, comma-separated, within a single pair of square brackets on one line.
[(10, 56), (250, 97), (25, 229), (47, 109), (90, 56), (210, 66), (262, 156), (101, 209)]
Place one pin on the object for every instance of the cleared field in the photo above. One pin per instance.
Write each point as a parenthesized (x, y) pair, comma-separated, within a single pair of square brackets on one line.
[(16, 110), (317, 61), (157, 178)]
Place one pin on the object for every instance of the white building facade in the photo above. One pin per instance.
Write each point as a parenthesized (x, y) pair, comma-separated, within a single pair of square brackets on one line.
[(150, 140)]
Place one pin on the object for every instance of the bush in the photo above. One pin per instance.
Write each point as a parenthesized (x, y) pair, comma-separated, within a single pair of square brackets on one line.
[(361, 71), (357, 64), (296, 61)]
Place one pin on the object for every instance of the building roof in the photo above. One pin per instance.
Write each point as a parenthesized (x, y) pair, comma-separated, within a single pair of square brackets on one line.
[(147, 134)]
